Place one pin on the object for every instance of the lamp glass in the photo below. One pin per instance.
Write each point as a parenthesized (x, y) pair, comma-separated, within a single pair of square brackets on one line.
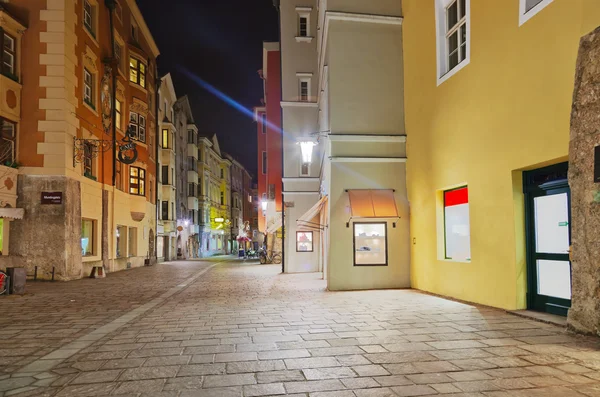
[(306, 148)]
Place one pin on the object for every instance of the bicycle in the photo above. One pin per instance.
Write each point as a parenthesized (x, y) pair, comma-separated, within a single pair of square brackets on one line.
[(3, 283), (275, 257)]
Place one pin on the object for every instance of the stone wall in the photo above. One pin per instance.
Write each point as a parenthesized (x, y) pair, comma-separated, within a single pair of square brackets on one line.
[(585, 200), (49, 235)]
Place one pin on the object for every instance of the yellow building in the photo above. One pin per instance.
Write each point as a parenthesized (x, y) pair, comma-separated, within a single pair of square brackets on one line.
[(488, 94)]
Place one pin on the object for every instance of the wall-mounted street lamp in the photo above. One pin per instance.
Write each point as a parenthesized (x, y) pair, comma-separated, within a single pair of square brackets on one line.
[(306, 149), (263, 205)]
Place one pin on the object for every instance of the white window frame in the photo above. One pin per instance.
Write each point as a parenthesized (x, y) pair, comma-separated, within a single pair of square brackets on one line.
[(89, 26), (303, 12), (304, 78), (138, 121), (88, 88), (443, 72), (525, 16)]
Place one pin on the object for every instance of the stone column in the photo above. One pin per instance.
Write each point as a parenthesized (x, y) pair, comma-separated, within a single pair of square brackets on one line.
[(585, 200)]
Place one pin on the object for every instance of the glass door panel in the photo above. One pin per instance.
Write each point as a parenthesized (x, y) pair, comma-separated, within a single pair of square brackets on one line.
[(552, 224), (554, 278)]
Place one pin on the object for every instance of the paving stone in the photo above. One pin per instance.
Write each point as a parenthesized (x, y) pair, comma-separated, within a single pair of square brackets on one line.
[(314, 386), (279, 376), (229, 380), (328, 373), (149, 373), (271, 389), (216, 392), (97, 377), (293, 338), (201, 369), (140, 386), (415, 390), (184, 383), (307, 363)]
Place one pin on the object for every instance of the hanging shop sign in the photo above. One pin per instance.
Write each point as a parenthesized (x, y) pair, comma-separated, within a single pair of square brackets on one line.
[(128, 153), (51, 198)]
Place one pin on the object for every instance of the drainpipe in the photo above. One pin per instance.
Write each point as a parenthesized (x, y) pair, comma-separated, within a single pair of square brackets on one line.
[(277, 5), (111, 5), (157, 140)]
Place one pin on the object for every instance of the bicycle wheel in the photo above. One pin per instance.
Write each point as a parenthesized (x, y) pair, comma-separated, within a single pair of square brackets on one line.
[(263, 259), (277, 259), (3, 283)]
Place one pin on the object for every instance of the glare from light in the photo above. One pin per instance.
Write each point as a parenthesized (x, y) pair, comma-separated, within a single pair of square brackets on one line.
[(306, 147)]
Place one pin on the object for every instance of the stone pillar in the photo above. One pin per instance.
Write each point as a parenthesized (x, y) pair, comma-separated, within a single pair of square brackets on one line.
[(585, 200), (49, 236)]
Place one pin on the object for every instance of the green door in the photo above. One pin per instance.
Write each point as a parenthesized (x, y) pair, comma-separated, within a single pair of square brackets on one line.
[(548, 224)]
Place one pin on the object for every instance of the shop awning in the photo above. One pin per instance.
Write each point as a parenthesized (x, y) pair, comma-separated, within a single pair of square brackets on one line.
[(273, 227), (307, 222), (12, 213), (373, 203)]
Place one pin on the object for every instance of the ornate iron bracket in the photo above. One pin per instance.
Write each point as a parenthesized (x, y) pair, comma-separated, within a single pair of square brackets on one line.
[(126, 149), (92, 146)]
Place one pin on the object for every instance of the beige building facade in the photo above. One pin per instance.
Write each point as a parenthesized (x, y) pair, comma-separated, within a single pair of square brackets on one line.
[(167, 194), (346, 149)]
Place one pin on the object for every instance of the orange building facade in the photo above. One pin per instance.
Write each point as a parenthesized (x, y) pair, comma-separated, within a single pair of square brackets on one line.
[(84, 74), (270, 144)]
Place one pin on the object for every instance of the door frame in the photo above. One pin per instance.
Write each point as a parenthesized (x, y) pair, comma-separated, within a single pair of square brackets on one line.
[(535, 186)]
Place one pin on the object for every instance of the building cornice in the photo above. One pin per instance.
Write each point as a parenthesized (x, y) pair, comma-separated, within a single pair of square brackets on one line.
[(300, 179), (300, 104), (366, 138), (367, 159)]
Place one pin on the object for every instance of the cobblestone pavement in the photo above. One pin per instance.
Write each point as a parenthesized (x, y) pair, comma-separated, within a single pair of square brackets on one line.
[(239, 329)]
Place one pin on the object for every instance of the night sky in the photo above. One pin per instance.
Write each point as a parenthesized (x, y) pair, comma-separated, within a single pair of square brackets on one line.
[(220, 41)]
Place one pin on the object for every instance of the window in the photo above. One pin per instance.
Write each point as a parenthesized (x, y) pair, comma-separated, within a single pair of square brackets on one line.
[(222, 173), (529, 8), (191, 190), (303, 23), (264, 123), (119, 175), (9, 49), (132, 241), (305, 169), (222, 198), (7, 141), (453, 29), (165, 210), (88, 161), (137, 123), (264, 163), (118, 114), (137, 181), (88, 17), (192, 164), (134, 31), (304, 241), (165, 139), (191, 136), (137, 72), (304, 90), (121, 244), (88, 237), (303, 26), (119, 11), (164, 179), (457, 239), (88, 88), (370, 244)]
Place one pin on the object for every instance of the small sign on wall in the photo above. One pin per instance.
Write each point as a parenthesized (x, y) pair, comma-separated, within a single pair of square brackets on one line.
[(597, 164), (51, 198)]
